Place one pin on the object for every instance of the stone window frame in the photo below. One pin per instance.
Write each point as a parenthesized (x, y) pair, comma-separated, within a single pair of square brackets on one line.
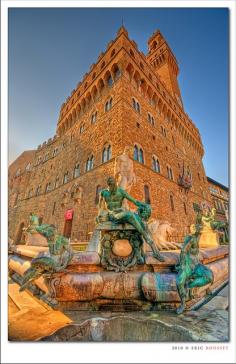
[(136, 105), (48, 187), (151, 119), (163, 131), (156, 167), (106, 152), (94, 117), (66, 178), (82, 128), (108, 104), (138, 153), (76, 172), (170, 174), (57, 182), (89, 163)]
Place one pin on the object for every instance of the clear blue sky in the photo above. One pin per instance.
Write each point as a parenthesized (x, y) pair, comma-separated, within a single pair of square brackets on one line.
[(51, 49)]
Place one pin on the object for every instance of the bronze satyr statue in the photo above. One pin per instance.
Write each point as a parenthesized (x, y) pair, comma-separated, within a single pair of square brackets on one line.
[(191, 273), (60, 254), (110, 209)]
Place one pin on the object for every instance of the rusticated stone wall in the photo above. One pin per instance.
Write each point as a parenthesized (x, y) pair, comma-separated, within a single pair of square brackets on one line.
[(121, 75)]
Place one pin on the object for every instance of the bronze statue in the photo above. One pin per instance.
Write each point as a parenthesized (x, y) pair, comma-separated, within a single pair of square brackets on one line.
[(191, 273), (60, 254), (110, 209)]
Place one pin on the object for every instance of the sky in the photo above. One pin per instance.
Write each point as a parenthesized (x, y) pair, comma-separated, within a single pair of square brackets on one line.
[(51, 49)]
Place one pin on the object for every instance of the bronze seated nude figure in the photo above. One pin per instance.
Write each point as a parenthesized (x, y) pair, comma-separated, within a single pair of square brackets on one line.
[(110, 209)]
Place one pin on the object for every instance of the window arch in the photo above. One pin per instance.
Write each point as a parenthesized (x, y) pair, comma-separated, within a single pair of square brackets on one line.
[(108, 105), (172, 203), (48, 187), (94, 117), (147, 194), (113, 52), (106, 153), (57, 182), (138, 154), (90, 163), (136, 105), (156, 164), (55, 152), (66, 177), (151, 119), (169, 173), (82, 127), (76, 171), (110, 81)]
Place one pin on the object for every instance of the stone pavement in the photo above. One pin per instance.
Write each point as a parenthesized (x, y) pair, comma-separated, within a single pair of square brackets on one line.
[(30, 319)]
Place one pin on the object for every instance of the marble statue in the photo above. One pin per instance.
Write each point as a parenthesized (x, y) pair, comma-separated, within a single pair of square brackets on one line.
[(124, 172), (160, 232), (191, 273), (110, 209)]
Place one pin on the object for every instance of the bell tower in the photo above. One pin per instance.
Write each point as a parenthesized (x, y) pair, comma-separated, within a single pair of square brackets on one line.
[(160, 56)]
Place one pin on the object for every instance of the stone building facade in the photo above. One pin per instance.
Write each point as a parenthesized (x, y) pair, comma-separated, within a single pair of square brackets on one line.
[(220, 198), (126, 99)]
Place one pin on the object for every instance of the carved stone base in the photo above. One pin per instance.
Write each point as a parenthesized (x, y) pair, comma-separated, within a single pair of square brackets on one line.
[(121, 247)]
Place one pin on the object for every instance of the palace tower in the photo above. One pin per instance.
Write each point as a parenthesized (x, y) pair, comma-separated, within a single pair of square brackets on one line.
[(127, 98)]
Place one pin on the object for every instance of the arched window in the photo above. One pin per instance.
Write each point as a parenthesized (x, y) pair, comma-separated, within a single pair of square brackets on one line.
[(94, 117), (81, 130), (136, 105), (136, 152), (76, 171), (48, 187), (110, 81), (98, 190), (169, 173), (147, 194), (57, 182), (55, 152), (172, 203), (66, 178), (117, 74), (106, 153), (141, 159), (155, 164), (151, 119), (108, 105), (90, 163)]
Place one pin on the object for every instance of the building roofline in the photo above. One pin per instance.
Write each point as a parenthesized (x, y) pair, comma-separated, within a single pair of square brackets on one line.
[(218, 184)]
